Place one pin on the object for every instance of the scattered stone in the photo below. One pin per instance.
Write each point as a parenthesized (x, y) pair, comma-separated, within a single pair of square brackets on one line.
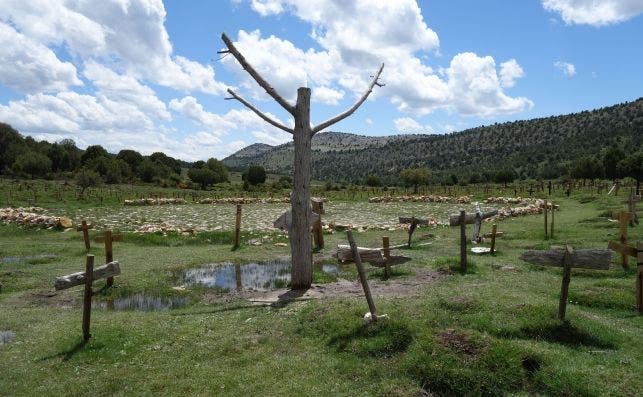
[(151, 201), (280, 245), (509, 268), (255, 241), (6, 336), (31, 216), (179, 288), (421, 199), (246, 200)]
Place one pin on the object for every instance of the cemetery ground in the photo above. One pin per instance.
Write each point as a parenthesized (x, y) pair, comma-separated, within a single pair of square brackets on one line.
[(490, 331)]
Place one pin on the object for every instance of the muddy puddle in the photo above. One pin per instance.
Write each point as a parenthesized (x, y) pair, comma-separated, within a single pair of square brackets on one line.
[(6, 336), (142, 302), (255, 276)]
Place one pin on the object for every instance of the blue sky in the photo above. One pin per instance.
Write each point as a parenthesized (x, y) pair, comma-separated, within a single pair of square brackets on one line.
[(145, 74)]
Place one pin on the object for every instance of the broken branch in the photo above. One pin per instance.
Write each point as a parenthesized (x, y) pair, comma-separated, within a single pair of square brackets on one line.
[(258, 112)]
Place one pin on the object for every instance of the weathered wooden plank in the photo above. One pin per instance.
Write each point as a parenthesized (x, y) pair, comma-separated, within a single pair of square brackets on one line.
[(418, 221), (454, 219), (284, 222), (622, 248), (598, 259), (344, 253), (109, 270), (362, 275)]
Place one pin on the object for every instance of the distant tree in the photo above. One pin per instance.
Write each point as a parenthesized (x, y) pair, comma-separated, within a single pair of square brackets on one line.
[(415, 177), (285, 182), (373, 180), (632, 166), (147, 170), (203, 176), (219, 170), (32, 164), (610, 159), (587, 167), (475, 178), (92, 152), (11, 145), (171, 163), (504, 176), (131, 157), (254, 175), (87, 178)]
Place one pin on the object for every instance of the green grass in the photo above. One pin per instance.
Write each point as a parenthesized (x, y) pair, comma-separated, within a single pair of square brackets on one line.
[(489, 331)]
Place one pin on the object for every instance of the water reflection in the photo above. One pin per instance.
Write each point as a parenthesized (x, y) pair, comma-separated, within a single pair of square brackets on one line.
[(143, 302)]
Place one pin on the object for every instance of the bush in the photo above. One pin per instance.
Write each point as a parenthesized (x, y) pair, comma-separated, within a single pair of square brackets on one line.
[(255, 175), (32, 164)]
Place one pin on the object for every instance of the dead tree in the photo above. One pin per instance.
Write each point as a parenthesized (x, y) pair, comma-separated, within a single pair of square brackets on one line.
[(299, 235)]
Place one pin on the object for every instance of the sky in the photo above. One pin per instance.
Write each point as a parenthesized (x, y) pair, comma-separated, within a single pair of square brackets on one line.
[(146, 75)]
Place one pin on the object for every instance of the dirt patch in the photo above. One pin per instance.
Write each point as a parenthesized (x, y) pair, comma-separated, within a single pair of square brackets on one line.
[(340, 289), (458, 341), (49, 299)]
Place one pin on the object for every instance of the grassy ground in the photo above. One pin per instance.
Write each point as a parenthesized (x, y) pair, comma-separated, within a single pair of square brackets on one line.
[(491, 331)]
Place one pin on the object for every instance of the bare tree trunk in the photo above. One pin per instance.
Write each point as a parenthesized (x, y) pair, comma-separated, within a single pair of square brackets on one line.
[(301, 251)]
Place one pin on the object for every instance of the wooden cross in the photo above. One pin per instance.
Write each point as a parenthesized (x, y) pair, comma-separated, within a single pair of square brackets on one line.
[(318, 235), (637, 253), (85, 229), (623, 218), (414, 222), (568, 258), (108, 238), (631, 207), (472, 219), (87, 278), (237, 227)]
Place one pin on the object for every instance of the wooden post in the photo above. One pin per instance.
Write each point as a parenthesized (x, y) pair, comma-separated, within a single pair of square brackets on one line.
[(387, 256), (237, 276), (494, 229), (564, 289), (463, 242), (553, 209), (108, 239), (362, 275), (545, 211), (87, 299), (639, 278), (318, 234), (237, 227), (623, 220), (85, 229)]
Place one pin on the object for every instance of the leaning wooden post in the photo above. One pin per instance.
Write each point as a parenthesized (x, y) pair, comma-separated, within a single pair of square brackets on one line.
[(362, 275), (85, 229), (545, 211), (387, 256), (237, 227), (318, 233), (108, 239), (494, 229), (564, 289), (623, 220), (463, 242), (553, 209), (87, 299)]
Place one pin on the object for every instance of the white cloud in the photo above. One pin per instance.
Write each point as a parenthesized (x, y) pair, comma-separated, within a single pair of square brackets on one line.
[(567, 68), (509, 72), (594, 12), (28, 66), (276, 137), (392, 32), (407, 125), (327, 95), (130, 33)]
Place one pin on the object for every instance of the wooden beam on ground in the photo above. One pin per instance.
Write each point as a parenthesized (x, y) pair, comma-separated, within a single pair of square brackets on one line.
[(109, 270), (454, 219)]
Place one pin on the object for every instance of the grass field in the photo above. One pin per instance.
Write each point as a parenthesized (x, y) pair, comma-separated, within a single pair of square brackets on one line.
[(491, 331)]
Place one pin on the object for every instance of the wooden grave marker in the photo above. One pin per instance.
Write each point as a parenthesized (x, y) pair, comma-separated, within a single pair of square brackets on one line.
[(87, 278), (637, 253), (362, 277), (85, 229), (462, 220), (318, 234), (545, 211), (237, 227), (414, 222), (108, 238), (631, 208), (568, 258), (623, 218)]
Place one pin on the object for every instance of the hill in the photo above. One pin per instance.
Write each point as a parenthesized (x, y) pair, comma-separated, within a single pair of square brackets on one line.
[(545, 147)]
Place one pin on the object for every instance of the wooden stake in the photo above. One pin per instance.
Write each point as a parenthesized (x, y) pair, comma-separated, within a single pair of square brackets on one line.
[(108, 239), (545, 211), (387, 256), (362, 275), (553, 209), (237, 276), (623, 220), (494, 229), (237, 227), (87, 299), (639, 278), (564, 289), (85, 229), (463, 242)]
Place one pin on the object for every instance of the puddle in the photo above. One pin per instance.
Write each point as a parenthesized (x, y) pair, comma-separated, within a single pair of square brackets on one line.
[(258, 276), (143, 302), (6, 336), (36, 258)]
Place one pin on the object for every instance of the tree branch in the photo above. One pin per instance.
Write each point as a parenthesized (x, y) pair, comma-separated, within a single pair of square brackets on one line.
[(357, 104), (255, 75), (259, 112)]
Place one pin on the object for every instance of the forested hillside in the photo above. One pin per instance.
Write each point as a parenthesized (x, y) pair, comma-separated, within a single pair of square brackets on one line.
[(540, 148)]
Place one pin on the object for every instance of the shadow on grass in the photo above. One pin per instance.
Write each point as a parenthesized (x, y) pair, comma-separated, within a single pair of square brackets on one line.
[(383, 338), (564, 333), (68, 354)]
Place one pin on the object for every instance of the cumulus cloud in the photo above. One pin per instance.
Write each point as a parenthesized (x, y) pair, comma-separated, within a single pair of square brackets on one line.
[(131, 33), (567, 68), (594, 12), (28, 66), (352, 48), (407, 125)]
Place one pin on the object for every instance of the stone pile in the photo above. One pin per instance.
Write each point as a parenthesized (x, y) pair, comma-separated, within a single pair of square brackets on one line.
[(533, 208), (508, 200), (32, 216), (152, 201), (245, 200), (420, 199)]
